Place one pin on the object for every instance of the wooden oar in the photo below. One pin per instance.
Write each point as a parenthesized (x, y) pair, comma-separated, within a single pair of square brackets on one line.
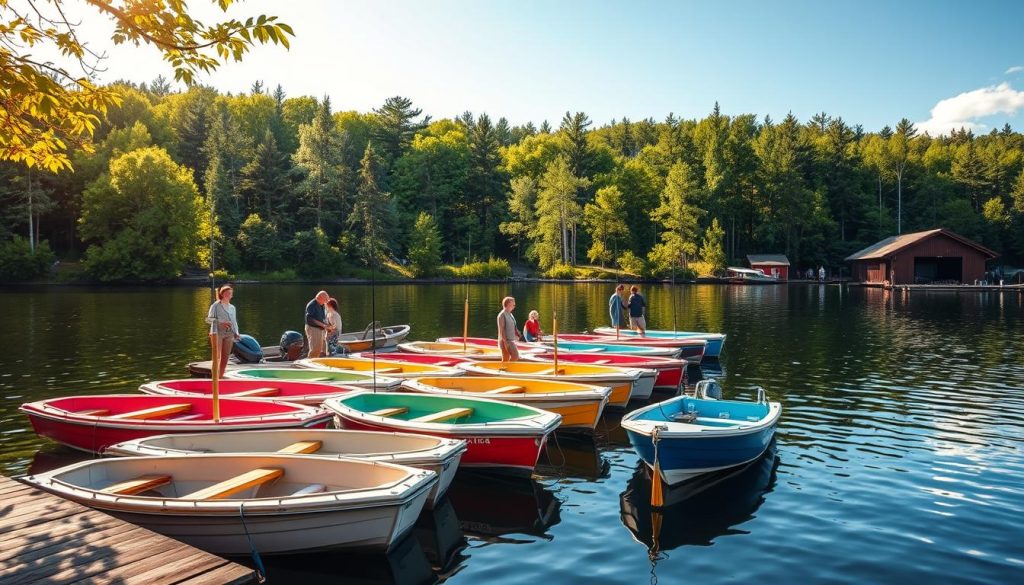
[(554, 333), (465, 323)]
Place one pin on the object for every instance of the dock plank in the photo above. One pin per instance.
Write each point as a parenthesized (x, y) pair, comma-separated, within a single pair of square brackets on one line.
[(46, 538)]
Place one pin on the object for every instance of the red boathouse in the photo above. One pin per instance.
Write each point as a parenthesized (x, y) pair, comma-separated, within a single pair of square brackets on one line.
[(936, 256), (776, 265)]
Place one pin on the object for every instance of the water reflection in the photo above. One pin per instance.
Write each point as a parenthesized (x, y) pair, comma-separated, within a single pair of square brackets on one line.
[(52, 456), (499, 508), (405, 564), (698, 511), (441, 537), (572, 456)]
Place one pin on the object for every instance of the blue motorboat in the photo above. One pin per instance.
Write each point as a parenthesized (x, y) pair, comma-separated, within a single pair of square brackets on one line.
[(713, 350), (696, 435)]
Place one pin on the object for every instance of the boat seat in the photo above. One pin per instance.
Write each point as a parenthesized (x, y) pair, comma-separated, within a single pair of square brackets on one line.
[(389, 370), (507, 390), (313, 488), (302, 447), (155, 412), (232, 486), (444, 415), (93, 412), (137, 485), (718, 421), (256, 392), (393, 411)]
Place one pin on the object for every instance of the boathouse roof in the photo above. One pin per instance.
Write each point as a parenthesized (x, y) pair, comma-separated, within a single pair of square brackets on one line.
[(894, 244), (768, 259)]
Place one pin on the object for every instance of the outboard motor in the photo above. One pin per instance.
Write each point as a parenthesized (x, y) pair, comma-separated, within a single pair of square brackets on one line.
[(292, 344), (247, 350)]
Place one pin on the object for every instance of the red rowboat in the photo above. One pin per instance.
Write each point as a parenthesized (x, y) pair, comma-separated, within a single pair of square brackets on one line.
[(671, 372), (92, 423)]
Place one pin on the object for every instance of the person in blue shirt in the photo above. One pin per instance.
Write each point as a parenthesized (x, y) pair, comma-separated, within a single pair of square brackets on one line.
[(616, 306), (317, 326)]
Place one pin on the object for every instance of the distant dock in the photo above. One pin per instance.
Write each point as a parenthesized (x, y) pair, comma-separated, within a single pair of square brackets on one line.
[(44, 538)]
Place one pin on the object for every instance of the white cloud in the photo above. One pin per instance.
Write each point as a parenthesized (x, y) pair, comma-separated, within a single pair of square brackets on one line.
[(963, 110), (1014, 69)]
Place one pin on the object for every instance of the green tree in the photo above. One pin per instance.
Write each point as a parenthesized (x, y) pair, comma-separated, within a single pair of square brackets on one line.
[(899, 159), (558, 213), (396, 125), (264, 180), (522, 201), (678, 217), (260, 243), (50, 104), (319, 158), (144, 220), (712, 250), (605, 219), (372, 218), (482, 207), (425, 246)]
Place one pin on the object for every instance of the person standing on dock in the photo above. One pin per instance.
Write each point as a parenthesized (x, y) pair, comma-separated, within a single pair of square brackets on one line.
[(507, 332), (637, 310), (616, 306), (316, 324), (223, 322)]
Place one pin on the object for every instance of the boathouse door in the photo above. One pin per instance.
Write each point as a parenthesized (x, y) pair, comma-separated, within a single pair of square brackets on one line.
[(938, 269)]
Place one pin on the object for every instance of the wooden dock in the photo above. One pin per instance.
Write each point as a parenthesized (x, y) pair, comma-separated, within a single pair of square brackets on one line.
[(44, 538)]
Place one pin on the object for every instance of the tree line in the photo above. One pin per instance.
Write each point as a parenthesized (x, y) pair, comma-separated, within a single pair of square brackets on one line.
[(264, 183)]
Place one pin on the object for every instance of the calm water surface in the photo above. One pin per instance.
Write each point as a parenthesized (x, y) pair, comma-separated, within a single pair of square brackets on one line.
[(899, 455)]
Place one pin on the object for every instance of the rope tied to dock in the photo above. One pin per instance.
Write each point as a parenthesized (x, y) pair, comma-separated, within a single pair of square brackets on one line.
[(261, 571)]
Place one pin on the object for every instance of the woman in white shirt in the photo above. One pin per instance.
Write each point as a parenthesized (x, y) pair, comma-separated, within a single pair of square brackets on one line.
[(223, 326), (334, 326)]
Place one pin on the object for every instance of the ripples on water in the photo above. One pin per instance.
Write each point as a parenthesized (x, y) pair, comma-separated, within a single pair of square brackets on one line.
[(898, 456)]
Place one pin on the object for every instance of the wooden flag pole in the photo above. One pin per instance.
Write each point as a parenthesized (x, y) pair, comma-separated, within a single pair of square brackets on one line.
[(215, 370), (554, 336), (465, 324)]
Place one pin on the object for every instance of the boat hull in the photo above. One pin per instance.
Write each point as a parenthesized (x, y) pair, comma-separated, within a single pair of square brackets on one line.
[(356, 510), (715, 341), (724, 434)]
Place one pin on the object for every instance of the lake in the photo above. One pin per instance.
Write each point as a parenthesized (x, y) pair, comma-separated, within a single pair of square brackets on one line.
[(898, 456)]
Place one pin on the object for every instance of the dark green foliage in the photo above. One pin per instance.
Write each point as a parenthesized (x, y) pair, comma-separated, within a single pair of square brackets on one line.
[(311, 254), (18, 263), (424, 246), (260, 244)]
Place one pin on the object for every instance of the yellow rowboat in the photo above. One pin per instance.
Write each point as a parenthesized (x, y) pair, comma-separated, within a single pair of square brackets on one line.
[(391, 369), (621, 381), (579, 404), (473, 352)]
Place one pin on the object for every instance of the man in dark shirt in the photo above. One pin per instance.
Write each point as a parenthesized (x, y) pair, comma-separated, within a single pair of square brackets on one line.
[(637, 310), (316, 324)]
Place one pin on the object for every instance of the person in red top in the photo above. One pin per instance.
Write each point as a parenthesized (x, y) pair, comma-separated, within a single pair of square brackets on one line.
[(531, 329)]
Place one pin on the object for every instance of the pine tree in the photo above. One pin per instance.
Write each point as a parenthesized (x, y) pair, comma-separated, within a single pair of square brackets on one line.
[(396, 125), (605, 219), (372, 217), (319, 157), (558, 212), (425, 246), (264, 184), (678, 218)]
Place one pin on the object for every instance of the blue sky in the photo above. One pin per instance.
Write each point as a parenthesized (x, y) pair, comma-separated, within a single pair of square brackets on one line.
[(870, 62)]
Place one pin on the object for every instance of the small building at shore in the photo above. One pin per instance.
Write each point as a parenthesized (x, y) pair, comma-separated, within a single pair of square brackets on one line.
[(936, 256), (775, 265)]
